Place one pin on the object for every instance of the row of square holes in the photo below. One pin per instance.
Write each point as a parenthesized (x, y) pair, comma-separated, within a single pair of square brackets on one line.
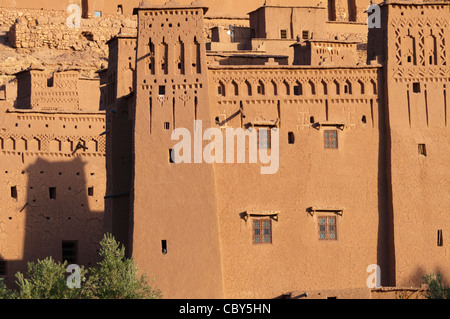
[(46, 125)]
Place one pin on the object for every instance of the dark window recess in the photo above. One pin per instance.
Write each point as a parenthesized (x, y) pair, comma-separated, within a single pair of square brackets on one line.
[(162, 90), (3, 268), (166, 125), (164, 246), (171, 156), (291, 137), (262, 231), (416, 87), (70, 252), (52, 192), (283, 34), (305, 35), (312, 120), (363, 119), (91, 191), (422, 149), (440, 239), (14, 192), (298, 90)]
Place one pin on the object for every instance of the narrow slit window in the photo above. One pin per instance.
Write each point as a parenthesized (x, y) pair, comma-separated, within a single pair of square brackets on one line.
[(440, 241), (52, 192), (171, 156), (91, 191), (166, 125), (14, 192), (164, 246)]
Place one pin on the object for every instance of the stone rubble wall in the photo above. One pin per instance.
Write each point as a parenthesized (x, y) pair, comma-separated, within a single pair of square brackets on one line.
[(43, 28)]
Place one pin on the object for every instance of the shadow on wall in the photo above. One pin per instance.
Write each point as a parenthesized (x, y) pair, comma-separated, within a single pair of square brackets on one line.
[(56, 218), (385, 245)]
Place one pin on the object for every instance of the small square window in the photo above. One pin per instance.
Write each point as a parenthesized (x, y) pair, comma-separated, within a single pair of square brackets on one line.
[(265, 138), (162, 90), (166, 125), (305, 34), (97, 14), (330, 139), (422, 149), (91, 191), (327, 227), (262, 231), (416, 87), (298, 90), (283, 34)]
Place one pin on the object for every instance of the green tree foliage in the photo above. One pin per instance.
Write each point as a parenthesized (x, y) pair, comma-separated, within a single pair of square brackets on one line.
[(46, 279), (115, 277), (436, 289)]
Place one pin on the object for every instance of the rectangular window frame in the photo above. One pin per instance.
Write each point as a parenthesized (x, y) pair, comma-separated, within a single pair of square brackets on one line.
[(262, 231), (330, 142), (265, 142), (329, 230)]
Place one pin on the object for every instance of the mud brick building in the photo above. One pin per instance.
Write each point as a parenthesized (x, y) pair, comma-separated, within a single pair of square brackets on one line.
[(362, 117)]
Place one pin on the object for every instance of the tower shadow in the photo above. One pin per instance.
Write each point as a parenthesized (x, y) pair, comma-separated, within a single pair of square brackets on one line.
[(59, 218)]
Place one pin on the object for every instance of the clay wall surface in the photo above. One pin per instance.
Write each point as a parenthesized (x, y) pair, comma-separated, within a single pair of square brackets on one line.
[(417, 73), (174, 207), (309, 176), (119, 89), (38, 152)]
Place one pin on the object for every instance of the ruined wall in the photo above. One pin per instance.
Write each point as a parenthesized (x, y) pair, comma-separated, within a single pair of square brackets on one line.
[(49, 29)]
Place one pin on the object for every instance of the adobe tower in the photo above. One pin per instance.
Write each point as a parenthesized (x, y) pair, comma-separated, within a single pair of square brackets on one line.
[(177, 235)]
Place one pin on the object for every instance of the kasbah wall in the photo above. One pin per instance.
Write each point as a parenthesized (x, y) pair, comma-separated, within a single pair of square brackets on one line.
[(362, 119)]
